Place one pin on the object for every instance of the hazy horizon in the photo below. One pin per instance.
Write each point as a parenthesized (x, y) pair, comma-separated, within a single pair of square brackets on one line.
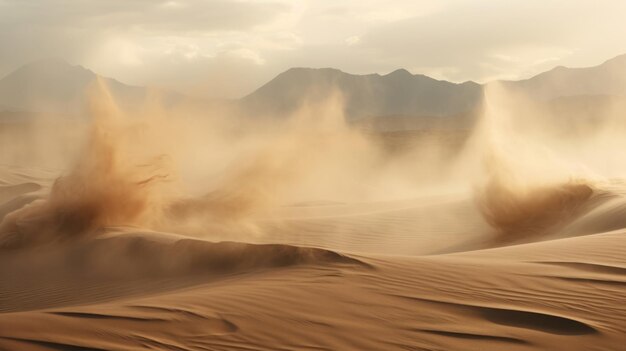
[(230, 48)]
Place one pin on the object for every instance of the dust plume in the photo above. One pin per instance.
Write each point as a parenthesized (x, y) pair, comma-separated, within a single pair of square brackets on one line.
[(106, 186), (133, 167), (518, 211), (312, 154), (528, 185), (214, 174)]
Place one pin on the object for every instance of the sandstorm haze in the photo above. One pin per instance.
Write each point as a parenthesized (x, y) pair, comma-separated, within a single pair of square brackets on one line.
[(299, 175), (229, 48)]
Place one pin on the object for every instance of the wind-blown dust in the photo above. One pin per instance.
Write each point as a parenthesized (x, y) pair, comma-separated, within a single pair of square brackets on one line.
[(105, 187), (520, 213), (339, 242), (526, 190)]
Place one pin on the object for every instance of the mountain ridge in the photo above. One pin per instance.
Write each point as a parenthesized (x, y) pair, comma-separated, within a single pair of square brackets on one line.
[(54, 84), (396, 93)]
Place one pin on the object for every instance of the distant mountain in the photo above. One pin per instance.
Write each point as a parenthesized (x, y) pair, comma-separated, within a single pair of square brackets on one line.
[(608, 78), (401, 100), (398, 93), (55, 86), (395, 101)]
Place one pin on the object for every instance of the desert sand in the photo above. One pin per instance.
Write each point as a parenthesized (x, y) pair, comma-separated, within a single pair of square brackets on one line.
[(93, 257)]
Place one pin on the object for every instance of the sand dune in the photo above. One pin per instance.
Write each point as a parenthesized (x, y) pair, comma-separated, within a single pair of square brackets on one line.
[(129, 289), (308, 236)]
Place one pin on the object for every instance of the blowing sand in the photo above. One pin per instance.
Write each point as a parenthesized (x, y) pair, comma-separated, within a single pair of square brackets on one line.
[(302, 249)]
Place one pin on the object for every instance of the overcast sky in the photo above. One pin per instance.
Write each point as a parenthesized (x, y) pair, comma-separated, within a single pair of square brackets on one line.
[(229, 48)]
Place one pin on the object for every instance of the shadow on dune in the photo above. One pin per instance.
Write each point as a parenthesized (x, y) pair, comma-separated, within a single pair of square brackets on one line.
[(125, 264), (513, 317)]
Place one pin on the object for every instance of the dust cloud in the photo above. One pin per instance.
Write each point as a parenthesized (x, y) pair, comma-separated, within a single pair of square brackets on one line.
[(534, 176), (214, 173), (197, 174), (107, 184)]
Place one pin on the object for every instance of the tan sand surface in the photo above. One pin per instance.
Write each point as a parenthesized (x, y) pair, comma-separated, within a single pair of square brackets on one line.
[(132, 289)]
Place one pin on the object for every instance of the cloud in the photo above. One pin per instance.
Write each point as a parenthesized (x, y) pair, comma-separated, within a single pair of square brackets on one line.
[(353, 40), (226, 74), (179, 16), (75, 29), (474, 37), (186, 44)]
